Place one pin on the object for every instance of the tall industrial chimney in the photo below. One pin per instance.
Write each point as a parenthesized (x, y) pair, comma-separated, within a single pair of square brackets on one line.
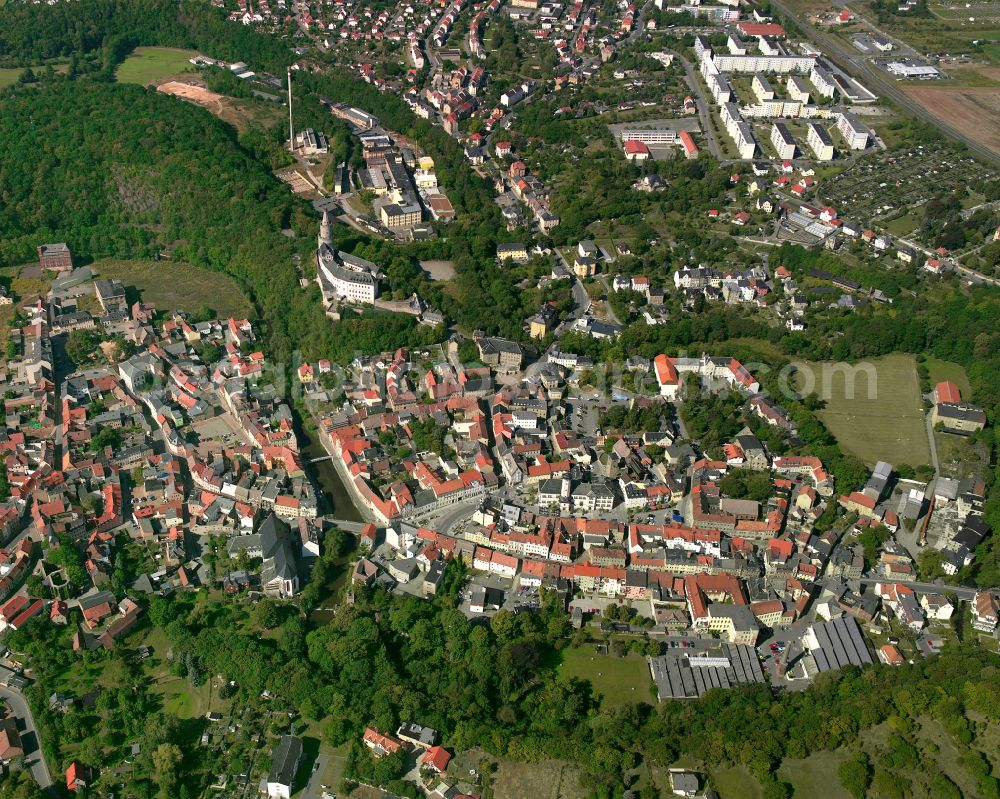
[(291, 123)]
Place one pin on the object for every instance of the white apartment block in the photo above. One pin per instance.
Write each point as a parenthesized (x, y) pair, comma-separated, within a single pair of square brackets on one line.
[(764, 63), (651, 137), (736, 45), (854, 132), (730, 114), (744, 139), (762, 88), (774, 108), (819, 141), (797, 89), (768, 46), (722, 92), (782, 140), (823, 81)]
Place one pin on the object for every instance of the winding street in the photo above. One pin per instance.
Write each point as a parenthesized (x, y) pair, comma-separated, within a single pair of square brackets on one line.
[(33, 756)]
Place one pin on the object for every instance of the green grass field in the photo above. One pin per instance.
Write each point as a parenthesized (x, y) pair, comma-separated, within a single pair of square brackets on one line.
[(946, 370), (618, 680), (172, 286), (150, 64), (873, 409), (9, 75), (816, 775), (550, 779), (735, 782), (178, 696), (903, 225)]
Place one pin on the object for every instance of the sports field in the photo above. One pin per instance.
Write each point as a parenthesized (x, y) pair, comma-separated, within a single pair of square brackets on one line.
[(874, 409), (172, 285), (618, 680), (151, 64)]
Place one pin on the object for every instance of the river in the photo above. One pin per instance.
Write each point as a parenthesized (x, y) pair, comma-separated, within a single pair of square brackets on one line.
[(335, 493)]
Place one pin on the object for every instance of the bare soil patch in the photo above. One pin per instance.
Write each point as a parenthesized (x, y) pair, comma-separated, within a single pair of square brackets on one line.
[(190, 91), (975, 112), (439, 270)]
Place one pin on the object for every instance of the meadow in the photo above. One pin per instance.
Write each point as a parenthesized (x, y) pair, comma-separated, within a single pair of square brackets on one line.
[(152, 64), (874, 409), (173, 285)]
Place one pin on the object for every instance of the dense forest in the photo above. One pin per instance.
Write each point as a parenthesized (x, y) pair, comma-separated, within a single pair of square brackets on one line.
[(120, 171), (97, 35), (32, 34)]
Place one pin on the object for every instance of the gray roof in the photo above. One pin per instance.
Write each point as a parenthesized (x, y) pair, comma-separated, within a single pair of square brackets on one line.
[(841, 644), (417, 732), (272, 541), (285, 761), (684, 676)]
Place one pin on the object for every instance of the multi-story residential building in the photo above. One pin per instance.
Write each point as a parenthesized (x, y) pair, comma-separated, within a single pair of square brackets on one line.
[(722, 92), (762, 88), (736, 45), (782, 140), (854, 132), (499, 352), (819, 141), (744, 139), (752, 64), (797, 89), (395, 215), (822, 80), (735, 622), (985, 612)]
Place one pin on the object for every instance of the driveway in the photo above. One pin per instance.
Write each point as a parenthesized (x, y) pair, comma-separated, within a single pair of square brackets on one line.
[(33, 757), (933, 444), (320, 781)]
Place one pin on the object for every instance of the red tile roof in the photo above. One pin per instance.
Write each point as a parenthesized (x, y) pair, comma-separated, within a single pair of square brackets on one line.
[(946, 391), (437, 758)]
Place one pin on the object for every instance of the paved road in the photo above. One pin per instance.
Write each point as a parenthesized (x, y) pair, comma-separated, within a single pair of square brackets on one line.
[(581, 299), (29, 737), (444, 521), (851, 63), (702, 105), (314, 789), (966, 594)]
